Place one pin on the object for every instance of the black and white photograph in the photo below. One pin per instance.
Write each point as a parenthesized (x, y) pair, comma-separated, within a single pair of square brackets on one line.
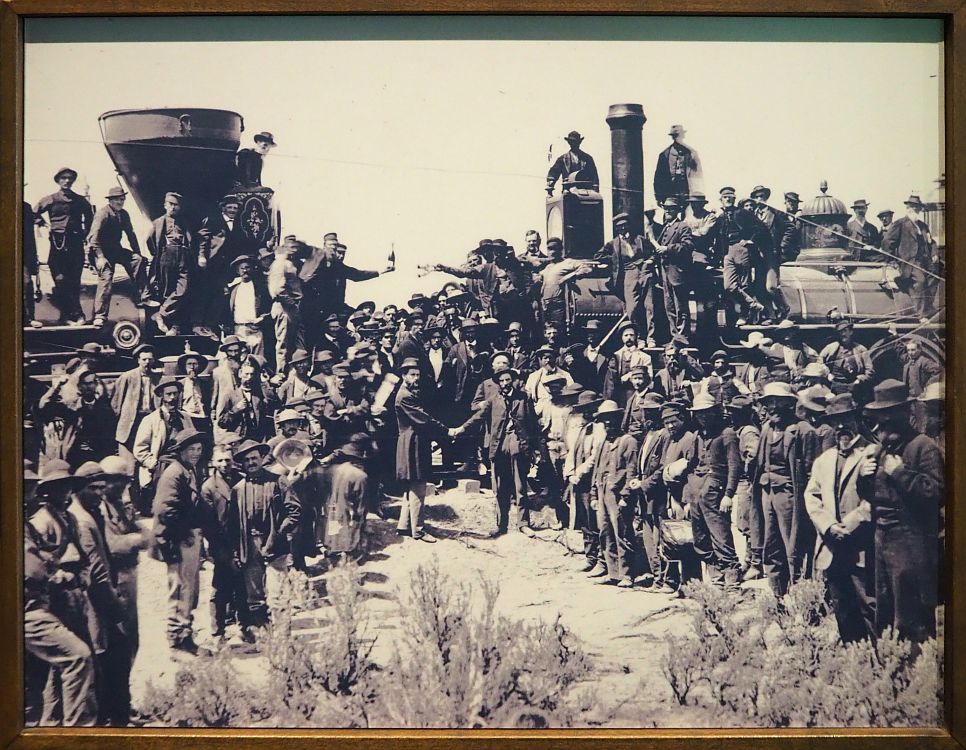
[(483, 372)]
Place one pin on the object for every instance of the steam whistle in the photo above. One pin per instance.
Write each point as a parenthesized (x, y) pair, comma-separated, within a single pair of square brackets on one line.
[(391, 262)]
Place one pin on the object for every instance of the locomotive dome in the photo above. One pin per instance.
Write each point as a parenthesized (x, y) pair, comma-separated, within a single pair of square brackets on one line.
[(825, 205), (823, 212)]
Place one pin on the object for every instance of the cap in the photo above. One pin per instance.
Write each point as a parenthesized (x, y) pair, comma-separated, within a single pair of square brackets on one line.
[(174, 196), (727, 190)]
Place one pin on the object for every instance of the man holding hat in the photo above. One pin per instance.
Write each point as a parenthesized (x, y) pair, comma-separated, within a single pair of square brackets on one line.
[(177, 533), (611, 494), (514, 438), (778, 480), (248, 161), (678, 169), (862, 232), (630, 265), (264, 520), (70, 218), (247, 304), (909, 239), (844, 544), (904, 483), (575, 161), (106, 251)]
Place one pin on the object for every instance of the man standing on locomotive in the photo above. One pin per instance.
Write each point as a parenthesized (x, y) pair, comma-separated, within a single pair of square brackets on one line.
[(104, 244), (910, 240), (70, 217), (675, 251), (170, 244), (574, 161)]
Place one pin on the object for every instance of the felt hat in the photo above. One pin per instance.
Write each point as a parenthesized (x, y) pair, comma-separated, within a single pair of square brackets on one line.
[(913, 200), (793, 197), (117, 466), (608, 409), (760, 190), (588, 400), (55, 471), (889, 393), (592, 325), (341, 370), (143, 348), (315, 395), (622, 218), (299, 355), (675, 130), (703, 401), (242, 259), (816, 398), (778, 389), (88, 471), (115, 192), (65, 170), (410, 363), (843, 403), (265, 137), (287, 415), (545, 350), (652, 401), (515, 326), (719, 354), (672, 408), (671, 202), (190, 354), (573, 136), (171, 195), (844, 324), (756, 339), (815, 370), (739, 401), (860, 203), (885, 212), (166, 382), (187, 437), (231, 341), (554, 382), (247, 446), (572, 389), (324, 356)]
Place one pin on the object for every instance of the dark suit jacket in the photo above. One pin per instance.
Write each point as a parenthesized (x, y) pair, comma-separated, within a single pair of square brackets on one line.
[(679, 258), (414, 454), (665, 183), (570, 162), (219, 244), (498, 412), (911, 241), (616, 262), (176, 509)]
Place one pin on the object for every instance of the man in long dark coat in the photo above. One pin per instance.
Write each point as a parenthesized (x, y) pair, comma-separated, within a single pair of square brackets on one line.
[(678, 169), (910, 240), (414, 451)]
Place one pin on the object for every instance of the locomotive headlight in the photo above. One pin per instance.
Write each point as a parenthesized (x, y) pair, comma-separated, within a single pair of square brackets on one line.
[(126, 335)]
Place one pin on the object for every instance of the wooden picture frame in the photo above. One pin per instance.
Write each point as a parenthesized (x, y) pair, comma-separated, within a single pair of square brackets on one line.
[(13, 735)]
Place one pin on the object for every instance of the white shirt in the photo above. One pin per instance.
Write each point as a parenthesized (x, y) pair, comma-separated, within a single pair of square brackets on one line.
[(192, 401), (436, 360), (244, 310), (229, 222)]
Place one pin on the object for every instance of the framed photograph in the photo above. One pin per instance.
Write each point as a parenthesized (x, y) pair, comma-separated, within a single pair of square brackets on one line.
[(378, 375)]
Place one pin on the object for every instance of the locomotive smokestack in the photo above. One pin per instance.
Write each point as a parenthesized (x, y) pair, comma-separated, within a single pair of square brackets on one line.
[(626, 122)]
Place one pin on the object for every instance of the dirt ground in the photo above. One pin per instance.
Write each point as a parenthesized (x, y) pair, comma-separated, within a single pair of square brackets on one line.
[(622, 630)]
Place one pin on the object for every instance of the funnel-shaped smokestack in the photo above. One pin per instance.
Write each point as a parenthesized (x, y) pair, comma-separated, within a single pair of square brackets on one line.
[(626, 122)]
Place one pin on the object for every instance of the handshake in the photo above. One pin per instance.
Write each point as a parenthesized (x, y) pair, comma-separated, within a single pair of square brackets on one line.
[(454, 431)]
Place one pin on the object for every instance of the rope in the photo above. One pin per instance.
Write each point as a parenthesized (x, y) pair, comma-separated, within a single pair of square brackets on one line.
[(854, 242)]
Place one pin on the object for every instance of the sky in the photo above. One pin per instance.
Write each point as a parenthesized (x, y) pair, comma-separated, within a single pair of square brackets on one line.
[(430, 145)]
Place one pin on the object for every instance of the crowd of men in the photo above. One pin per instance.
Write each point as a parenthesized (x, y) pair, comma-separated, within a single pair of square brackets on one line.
[(268, 457)]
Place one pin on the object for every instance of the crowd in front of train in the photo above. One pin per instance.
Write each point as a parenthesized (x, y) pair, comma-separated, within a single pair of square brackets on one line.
[(268, 457)]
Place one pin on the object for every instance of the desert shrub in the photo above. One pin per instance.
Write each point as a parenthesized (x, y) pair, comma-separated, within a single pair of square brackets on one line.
[(459, 665), (782, 664), (211, 693)]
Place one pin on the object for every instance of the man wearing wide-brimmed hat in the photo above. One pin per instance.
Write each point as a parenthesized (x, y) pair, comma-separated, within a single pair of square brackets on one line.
[(106, 251), (248, 161), (778, 481), (195, 393), (612, 495), (844, 544), (177, 533), (910, 239), (247, 303), (652, 495), (905, 485), (266, 524), (575, 161), (70, 218), (583, 438), (678, 169)]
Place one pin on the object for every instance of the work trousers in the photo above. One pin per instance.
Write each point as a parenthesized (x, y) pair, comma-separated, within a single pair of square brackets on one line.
[(906, 581), (66, 264), (618, 542), (713, 540), (72, 609), (411, 511), (136, 268), (49, 640), (853, 603), (253, 336), (183, 580), (677, 304), (228, 602), (651, 540), (171, 279), (289, 334), (638, 296), (208, 294), (783, 556), (587, 523), (122, 649), (750, 522), (509, 473)]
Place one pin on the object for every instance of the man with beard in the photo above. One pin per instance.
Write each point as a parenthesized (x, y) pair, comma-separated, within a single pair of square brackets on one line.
[(721, 382), (848, 361), (440, 365), (124, 540), (513, 429), (106, 251), (680, 369), (194, 398), (414, 456), (630, 264), (909, 239), (738, 236), (92, 418), (157, 433), (105, 619), (904, 484), (173, 261), (634, 420), (844, 544), (248, 161), (782, 246), (264, 520), (177, 534), (611, 493), (70, 217), (346, 412), (620, 364), (248, 305), (675, 254), (245, 410), (221, 239), (462, 375), (224, 379), (778, 479), (710, 491), (590, 351), (648, 484), (285, 289), (411, 345)]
